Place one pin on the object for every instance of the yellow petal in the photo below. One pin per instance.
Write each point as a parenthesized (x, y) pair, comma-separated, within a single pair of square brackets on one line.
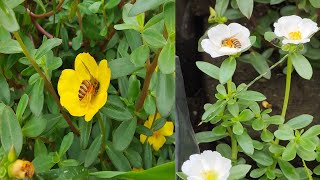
[(157, 142), (85, 65), (167, 129), (68, 89), (104, 75), (143, 138)]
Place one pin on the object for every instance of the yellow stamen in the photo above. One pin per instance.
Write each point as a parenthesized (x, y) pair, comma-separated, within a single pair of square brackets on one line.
[(295, 35), (209, 175)]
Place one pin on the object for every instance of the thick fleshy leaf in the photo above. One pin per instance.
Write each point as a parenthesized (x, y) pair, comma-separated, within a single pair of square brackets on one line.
[(142, 6), (246, 7), (227, 69), (4, 90), (165, 94), (208, 68), (288, 170), (123, 135), (166, 60), (301, 65), (239, 171)]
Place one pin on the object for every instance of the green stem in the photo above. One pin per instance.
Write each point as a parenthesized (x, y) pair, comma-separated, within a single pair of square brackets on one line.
[(234, 144), (47, 82), (234, 147), (307, 170), (102, 131), (288, 85)]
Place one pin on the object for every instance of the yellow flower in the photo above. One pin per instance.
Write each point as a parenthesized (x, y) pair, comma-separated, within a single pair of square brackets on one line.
[(137, 169), (21, 169), (83, 91), (157, 139)]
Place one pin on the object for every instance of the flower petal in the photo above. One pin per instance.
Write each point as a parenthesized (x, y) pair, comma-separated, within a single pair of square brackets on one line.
[(217, 33), (238, 29), (104, 75), (210, 48), (229, 51), (288, 41), (167, 129), (143, 138), (308, 28), (68, 89), (86, 65), (287, 24), (157, 142)]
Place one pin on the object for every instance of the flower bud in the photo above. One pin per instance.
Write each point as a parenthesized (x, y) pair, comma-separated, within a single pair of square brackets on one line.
[(12, 155), (21, 169)]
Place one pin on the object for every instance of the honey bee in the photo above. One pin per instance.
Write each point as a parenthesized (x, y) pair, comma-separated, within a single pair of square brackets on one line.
[(231, 42), (266, 105), (88, 86)]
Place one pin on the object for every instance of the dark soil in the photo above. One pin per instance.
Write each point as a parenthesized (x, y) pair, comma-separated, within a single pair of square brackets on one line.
[(200, 89)]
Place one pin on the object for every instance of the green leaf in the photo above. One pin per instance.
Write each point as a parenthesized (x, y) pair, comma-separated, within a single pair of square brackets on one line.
[(312, 132), (121, 67), (4, 90), (165, 93), (10, 46), (13, 3), (306, 155), (134, 158), (11, 134), (154, 20), (134, 88), (207, 136), (66, 143), (35, 126), (315, 3), (76, 41), (227, 69), (245, 142), (237, 128), (121, 27), (115, 109), (277, 119), (8, 18), (267, 136), (246, 7), (256, 173), (246, 115), (93, 152), (37, 98), (284, 133), (221, 7), (239, 171), (142, 6), (224, 150), (269, 36), (301, 65), (232, 108), (259, 63), (123, 135), (300, 122), (153, 38), (139, 56), (170, 16), (290, 151), (147, 155), (316, 170), (166, 59), (262, 158), (94, 7), (163, 171), (47, 46), (208, 68), (117, 158), (149, 105), (85, 132), (43, 163), (251, 96), (288, 170)]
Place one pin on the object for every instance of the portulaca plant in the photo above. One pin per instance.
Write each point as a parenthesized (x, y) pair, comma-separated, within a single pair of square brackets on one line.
[(237, 114)]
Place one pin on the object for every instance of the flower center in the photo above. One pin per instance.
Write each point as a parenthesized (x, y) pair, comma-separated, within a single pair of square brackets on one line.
[(295, 35), (231, 42), (88, 88), (209, 175)]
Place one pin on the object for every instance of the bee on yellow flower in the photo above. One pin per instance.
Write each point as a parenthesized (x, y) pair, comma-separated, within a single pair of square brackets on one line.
[(157, 139), (83, 91)]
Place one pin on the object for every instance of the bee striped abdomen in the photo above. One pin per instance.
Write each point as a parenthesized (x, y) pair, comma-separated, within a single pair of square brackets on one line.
[(88, 87), (231, 42)]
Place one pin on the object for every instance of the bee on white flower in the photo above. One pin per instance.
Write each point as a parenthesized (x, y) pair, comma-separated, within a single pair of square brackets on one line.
[(226, 40), (294, 29), (209, 165)]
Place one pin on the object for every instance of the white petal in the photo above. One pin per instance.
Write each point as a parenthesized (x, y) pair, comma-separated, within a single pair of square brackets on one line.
[(244, 40), (194, 178), (217, 33), (210, 48), (229, 51), (192, 167), (236, 29), (286, 24), (308, 28), (288, 41)]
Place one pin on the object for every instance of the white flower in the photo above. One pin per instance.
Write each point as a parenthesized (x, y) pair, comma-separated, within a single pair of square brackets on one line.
[(226, 40), (294, 29), (209, 165)]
